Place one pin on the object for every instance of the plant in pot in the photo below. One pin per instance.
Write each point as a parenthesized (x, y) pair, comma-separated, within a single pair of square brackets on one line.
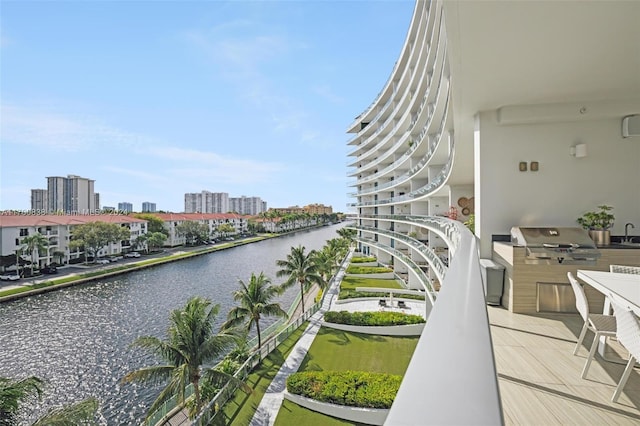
[(598, 223)]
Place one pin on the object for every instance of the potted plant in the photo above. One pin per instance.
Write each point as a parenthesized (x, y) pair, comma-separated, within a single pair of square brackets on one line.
[(598, 223)]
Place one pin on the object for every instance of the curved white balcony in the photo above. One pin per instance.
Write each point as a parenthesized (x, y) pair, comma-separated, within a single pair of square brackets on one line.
[(421, 11), (363, 150)]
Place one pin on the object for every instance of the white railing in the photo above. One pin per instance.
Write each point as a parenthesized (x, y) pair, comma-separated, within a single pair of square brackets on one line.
[(452, 377)]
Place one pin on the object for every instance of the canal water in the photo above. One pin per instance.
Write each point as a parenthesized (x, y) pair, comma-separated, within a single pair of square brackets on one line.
[(78, 339)]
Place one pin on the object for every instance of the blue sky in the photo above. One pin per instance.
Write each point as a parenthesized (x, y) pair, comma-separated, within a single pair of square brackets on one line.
[(153, 99)]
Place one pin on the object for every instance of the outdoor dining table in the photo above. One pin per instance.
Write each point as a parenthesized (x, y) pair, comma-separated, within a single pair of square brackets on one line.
[(624, 289)]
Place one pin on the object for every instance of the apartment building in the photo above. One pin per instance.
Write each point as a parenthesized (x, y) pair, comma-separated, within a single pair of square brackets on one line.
[(125, 207), (148, 207), (482, 116), (206, 202), (318, 209), (39, 200), (71, 194), (247, 205), (212, 220), (58, 230)]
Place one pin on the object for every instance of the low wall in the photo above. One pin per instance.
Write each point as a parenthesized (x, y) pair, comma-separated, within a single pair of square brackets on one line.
[(370, 416), (379, 330), (373, 263), (381, 275)]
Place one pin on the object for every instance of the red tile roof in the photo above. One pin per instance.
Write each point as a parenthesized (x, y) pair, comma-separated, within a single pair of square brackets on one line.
[(7, 221), (197, 216)]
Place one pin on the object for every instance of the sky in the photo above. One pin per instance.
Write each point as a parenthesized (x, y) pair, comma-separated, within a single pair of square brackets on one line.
[(155, 99)]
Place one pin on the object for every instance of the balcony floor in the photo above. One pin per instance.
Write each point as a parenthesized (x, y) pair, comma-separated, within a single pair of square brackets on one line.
[(540, 378)]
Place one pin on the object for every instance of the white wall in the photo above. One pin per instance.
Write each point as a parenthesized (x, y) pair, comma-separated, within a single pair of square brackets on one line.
[(565, 186)]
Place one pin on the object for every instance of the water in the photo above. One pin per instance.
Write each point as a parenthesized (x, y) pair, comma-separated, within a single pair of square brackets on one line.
[(78, 339)]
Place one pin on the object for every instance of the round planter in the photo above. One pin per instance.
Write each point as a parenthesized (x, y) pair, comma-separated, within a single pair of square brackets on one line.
[(602, 237)]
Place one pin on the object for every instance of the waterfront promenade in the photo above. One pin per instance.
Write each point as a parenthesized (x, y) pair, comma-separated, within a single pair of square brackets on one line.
[(267, 411)]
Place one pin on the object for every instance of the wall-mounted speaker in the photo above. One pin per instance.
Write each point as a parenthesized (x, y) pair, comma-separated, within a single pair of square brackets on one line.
[(631, 126)]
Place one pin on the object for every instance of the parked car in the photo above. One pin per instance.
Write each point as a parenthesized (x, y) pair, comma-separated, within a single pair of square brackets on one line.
[(102, 261), (8, 277), (116, 258), (49, 270), (132, 254)]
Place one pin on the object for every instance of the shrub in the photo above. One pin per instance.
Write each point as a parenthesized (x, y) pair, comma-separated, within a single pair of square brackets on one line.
[(363, 259), (352, 294), (379, 319), (354, 269), (350, 388)]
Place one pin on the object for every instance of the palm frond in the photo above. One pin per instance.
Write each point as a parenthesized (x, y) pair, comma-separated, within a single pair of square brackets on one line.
[(80, 413), (152, 374)]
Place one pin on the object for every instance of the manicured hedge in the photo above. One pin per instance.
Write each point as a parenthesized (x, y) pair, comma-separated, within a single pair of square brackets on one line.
[(354, 269), (376, 318), (352, 294), (350, 388), (363, 259)]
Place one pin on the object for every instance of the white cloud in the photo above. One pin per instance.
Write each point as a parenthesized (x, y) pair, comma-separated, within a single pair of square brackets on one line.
[(44, 129)]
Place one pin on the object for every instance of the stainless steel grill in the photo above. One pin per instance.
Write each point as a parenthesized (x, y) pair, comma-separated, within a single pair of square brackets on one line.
[(547, 245)]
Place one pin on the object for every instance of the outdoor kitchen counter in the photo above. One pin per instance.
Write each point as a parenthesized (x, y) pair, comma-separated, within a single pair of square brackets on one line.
[(522, 279)]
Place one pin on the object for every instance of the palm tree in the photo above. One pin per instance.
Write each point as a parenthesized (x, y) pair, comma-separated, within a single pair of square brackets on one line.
[(33, 244), (254, 301), (325, 262), (188, 352), (14, 392), (80, 413), (299, 268)]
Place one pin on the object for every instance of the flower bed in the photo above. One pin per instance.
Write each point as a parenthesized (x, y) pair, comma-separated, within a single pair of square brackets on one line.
[(386, 318), (349, 388), (363, 259), (355, 269)]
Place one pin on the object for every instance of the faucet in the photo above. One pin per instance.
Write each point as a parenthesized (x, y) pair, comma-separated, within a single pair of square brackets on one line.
[(626, 232)]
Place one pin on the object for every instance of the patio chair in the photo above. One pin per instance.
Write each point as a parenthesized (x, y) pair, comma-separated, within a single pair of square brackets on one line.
[(629, 336), (601, 325), (623, 269)]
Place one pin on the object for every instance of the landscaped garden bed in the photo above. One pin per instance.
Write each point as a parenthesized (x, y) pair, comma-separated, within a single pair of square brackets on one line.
[(350, 388), (375, 318), (358, 270), (363, 259)]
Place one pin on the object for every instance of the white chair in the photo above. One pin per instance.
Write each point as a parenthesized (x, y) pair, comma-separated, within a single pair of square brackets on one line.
[(601, 325), (623, 269), (629, 336)]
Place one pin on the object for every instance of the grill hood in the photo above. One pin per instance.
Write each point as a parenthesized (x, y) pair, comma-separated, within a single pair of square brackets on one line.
[(555, 245)]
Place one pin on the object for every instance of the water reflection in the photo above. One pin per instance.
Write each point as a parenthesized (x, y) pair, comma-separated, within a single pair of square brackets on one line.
[(78, 338)]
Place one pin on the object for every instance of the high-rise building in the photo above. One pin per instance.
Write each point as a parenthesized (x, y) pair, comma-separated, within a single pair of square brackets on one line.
[(73, 194), (125, 207), (39, 200), (148, 207), (247, 205), (206, 202)]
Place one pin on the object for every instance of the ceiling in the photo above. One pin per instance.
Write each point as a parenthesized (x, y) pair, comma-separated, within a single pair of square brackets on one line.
[(530, 52)]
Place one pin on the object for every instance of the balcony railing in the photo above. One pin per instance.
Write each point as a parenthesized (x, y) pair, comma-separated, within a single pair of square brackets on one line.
[(452, 377)]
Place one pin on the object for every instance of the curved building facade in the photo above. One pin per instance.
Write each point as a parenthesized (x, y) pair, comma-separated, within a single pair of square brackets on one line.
[(479, 121)]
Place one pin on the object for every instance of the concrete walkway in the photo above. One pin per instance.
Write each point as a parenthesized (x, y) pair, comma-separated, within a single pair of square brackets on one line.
[(267, 411)]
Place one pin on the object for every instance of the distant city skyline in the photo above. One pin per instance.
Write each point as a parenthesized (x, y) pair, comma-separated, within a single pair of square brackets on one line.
[(240, 97)]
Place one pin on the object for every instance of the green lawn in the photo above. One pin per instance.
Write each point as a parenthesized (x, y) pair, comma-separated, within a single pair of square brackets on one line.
[(350, 283), (292, 414), (240, 409), (338, 351)]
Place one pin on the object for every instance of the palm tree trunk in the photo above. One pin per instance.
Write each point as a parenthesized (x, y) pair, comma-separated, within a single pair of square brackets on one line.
[(302, 295), (196, 393), (259, 336)]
